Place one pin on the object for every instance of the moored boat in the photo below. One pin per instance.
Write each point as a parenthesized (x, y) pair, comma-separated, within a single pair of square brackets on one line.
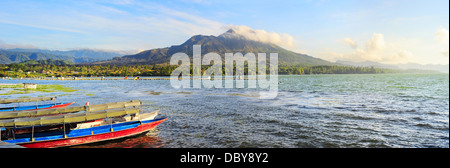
[(126, 118), (77, 117), (12, 132), (59, 111), (23, 100), (36, 107), (76, 125), (86, 135)]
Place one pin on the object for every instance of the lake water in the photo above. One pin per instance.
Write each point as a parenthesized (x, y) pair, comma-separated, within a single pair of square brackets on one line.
[(363, 111)]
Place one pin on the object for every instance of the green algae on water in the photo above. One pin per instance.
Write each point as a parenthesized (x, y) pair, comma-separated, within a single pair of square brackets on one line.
[(54, 88), (18, 89)]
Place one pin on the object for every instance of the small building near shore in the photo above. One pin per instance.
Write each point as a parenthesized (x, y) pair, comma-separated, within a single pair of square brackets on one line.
[(30, 85)]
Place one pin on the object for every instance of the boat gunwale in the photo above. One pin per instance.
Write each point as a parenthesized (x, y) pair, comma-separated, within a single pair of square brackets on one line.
[(139, 123), (25, 100), (40, 107), (65, 110)]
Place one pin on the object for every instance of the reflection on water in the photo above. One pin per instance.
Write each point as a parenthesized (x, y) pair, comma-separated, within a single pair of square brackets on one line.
[(395, 110), (144, 140)]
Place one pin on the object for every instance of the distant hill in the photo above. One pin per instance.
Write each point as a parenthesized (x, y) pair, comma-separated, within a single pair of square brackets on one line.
[(47, 62), (76, 56), (229, 42), (7, 57)]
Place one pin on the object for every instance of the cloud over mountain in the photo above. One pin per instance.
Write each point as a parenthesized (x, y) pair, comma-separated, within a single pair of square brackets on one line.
[(282, 39), (4, 45)]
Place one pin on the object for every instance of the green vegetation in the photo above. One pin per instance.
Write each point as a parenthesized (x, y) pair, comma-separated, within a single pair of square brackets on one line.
[(21, 70), (47, 62), (12, 86), (60, 68), (54, 88), (19, 89), (7, 56), (31, 71)]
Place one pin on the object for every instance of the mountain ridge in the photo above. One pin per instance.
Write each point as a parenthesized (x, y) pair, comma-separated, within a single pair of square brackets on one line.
[(18, 55), (228, 42)]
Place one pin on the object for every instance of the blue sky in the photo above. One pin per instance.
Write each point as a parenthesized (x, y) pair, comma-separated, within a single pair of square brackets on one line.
[(386, 31)]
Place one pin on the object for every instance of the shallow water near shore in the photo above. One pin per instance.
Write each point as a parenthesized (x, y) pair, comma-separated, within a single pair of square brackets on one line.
[(367, 111)]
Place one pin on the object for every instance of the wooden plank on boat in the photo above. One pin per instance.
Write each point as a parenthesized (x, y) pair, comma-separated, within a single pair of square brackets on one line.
[(114, 105), (98, 107), (67, 118), (33, 99)]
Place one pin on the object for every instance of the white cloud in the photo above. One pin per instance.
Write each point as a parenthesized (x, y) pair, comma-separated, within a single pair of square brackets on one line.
[(40, 26), (102, 24), (122, 2), (375, 49), (282, 39), (4, 45), (197, 1), (445, 53), (188, 23), (375, 43), (442, 37), (399, 57), (350, 43)]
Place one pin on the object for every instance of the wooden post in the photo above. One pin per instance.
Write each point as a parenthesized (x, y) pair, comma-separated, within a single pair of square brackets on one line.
[(110, 123), (32, 133), (64, 127)]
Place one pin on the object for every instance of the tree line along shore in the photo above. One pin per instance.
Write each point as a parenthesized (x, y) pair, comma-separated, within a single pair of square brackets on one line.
[(17, 70)]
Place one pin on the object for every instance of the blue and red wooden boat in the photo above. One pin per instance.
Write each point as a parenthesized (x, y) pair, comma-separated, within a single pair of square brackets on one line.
[(36, 107), (83, 136)]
